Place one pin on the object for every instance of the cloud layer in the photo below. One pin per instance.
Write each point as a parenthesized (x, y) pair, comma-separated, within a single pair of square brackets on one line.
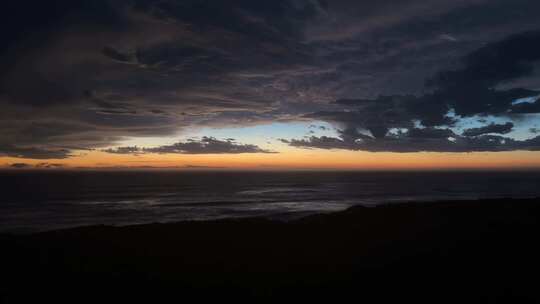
[(82, 75), (206, 145), (474, 90)]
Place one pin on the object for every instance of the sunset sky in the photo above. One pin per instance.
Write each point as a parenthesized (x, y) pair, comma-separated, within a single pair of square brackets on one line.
[(273, 85)]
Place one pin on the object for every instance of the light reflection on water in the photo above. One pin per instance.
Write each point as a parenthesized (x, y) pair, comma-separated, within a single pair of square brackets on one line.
[(40, 201)]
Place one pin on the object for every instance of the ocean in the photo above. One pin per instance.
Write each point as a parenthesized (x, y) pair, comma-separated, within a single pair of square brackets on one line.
[(45, 200)]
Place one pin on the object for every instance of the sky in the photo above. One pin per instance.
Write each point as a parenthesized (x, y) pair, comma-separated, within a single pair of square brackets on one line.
[(283, 84)]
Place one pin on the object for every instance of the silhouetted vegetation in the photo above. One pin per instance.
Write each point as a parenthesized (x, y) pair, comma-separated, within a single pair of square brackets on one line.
[(483, 251)]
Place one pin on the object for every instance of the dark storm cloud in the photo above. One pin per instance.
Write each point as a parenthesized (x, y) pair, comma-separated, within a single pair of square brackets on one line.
[(430, 133), (87, 74), (526, 108), (495, 63), (124, 150), (379, 115), (119, 56), (407, 144), (140, 68), (206, 145), (34, 152), (472, 90), (492, 128)]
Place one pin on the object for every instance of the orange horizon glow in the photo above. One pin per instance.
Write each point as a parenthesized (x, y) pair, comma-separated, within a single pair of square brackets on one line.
[(292, 159)]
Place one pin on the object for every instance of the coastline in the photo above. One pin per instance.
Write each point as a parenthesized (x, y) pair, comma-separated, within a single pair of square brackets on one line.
[(429, 251)]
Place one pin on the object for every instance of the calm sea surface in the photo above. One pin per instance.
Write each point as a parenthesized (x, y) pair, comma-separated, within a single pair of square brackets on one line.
[(32, 201)]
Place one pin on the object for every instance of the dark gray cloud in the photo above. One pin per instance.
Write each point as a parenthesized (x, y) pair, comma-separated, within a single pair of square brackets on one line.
[(87, 74), (143, 68), (526, 108), (492, 128), (124, 150), (471, 91), (34, 152), (407, 144), (206, 145)]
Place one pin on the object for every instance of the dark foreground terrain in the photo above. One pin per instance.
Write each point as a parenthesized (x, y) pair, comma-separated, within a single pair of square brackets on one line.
[(484, 251)]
